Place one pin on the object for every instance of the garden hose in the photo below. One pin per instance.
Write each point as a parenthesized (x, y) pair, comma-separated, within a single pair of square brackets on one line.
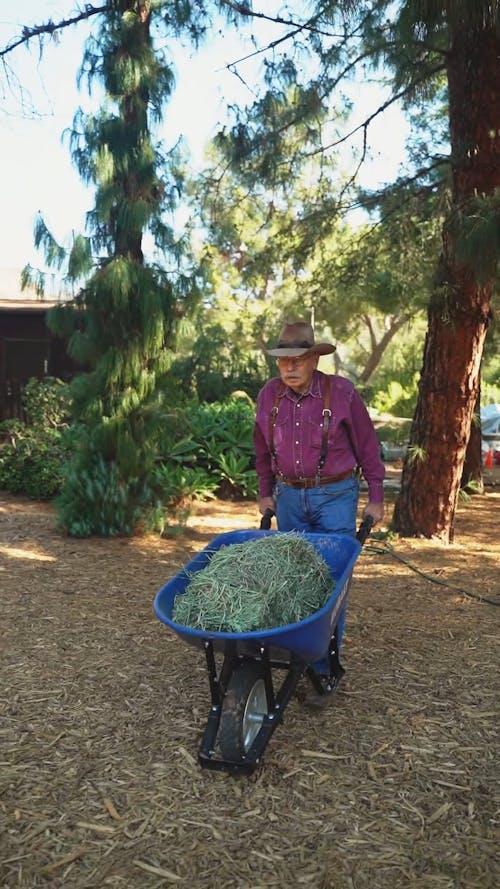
[(388, 550)]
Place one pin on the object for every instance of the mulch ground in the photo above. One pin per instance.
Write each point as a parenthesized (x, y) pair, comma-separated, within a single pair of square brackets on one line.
[(102, 708)]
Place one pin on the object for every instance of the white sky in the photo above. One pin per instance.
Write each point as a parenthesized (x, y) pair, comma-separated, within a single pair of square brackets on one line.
[(36, 172)]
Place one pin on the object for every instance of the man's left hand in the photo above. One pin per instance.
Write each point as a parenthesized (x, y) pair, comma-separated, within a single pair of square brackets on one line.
[(376, 510)]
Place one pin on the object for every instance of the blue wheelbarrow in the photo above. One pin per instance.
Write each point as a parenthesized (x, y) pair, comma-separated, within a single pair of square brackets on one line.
[(252, 676)]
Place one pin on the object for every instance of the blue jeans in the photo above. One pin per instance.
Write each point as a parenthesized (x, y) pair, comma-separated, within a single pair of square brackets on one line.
[(330, 509)]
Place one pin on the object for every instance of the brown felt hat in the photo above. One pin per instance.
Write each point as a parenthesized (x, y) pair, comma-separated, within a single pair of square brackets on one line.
[(296, 339)]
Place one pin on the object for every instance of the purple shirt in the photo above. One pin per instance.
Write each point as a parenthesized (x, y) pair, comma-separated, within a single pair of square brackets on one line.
[(298, 433)]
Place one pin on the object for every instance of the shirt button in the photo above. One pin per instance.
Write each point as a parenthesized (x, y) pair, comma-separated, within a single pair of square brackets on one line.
[(297, 461), (296, 442)]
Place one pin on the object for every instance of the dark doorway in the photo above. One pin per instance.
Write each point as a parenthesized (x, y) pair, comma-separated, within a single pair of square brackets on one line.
[(25, 359)]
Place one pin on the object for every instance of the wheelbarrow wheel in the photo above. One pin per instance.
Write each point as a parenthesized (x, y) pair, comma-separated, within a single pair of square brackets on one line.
[(243, 710)]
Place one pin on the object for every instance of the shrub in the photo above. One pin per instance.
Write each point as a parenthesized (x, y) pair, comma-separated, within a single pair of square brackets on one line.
[(47, 403), (397, 398), (203, 451), (217, 440), (95, 500), (216, 367), (33, 455)]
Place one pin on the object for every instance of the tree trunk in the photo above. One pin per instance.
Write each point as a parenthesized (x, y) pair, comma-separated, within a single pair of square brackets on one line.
[(460, 309), (379, 347), (133, 106)]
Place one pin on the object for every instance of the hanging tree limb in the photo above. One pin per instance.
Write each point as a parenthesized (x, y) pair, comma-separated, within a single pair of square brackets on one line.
[(50, 27), (245, 10)]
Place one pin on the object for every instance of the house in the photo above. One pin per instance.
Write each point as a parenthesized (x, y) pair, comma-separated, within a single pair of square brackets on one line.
[(27, 346)]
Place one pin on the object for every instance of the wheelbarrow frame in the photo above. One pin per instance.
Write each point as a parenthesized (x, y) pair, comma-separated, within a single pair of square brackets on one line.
[(280, 667)]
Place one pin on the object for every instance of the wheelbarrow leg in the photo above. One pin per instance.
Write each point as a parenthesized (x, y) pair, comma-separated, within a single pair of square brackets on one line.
[(324, 684)]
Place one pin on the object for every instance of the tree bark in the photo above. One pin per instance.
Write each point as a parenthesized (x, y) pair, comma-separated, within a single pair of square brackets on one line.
[(460, 310)]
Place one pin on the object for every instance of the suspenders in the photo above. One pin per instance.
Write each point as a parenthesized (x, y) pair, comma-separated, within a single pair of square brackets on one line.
[(326, 423), (272, 421)]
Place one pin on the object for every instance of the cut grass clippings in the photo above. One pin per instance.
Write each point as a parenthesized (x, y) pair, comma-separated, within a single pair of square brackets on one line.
[(256, 585)]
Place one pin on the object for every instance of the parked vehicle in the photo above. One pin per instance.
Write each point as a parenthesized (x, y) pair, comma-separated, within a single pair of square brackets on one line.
[(490, 433)]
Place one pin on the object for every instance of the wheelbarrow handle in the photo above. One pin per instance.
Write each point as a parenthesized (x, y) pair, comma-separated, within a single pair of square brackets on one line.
[(363, 532), (265, 522), (365, 528)]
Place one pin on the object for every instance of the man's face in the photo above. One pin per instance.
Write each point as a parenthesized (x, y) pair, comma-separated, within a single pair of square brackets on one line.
[(297, 372)]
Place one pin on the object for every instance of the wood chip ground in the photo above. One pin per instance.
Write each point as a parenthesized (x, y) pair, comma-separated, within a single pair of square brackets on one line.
[(394, 785)]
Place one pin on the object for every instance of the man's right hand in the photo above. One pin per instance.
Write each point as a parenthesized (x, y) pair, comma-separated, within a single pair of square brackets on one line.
[(266, 503)]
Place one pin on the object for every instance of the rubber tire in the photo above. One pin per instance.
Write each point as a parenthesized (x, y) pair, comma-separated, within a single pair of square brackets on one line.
[(244, 703)]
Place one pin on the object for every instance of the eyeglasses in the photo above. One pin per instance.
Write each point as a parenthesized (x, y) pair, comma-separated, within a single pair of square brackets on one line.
[(294, 362)]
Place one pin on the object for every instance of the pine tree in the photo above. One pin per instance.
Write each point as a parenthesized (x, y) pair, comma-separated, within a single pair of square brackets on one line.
[(123, 319), (122, 323), (461, 307)]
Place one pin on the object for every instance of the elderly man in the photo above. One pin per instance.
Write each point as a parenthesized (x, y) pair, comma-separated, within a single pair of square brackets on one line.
[(312, 431)]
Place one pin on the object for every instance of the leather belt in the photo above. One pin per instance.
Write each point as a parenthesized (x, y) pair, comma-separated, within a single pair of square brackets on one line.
[(315, 482)]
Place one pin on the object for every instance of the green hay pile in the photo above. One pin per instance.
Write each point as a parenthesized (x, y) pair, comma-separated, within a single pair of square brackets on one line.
[(263, 583)]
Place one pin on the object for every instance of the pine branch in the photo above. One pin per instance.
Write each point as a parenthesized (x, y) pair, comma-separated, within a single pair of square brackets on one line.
[(297, 28), (28, 33), (368, 120), (244, 10), (404, 183), (274, 43)]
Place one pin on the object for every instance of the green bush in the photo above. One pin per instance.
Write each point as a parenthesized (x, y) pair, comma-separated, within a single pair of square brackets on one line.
[(203, 451), (237, 478), (95, 500), (215, 368), (397, 397), (173, 484), (31, 466), (217, 440), (490, 393), (33, 454), (47, 403)]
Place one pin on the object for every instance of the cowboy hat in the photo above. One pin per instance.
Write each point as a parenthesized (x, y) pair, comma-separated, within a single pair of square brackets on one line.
[(296, 339)]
